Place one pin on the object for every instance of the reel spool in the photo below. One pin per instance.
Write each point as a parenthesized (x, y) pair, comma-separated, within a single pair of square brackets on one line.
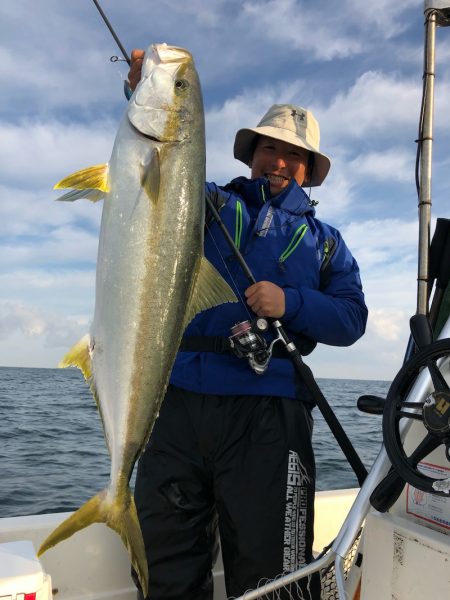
[(434, 413)]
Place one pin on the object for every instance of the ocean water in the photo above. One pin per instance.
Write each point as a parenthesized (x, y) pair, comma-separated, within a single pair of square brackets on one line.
[(53, 455)]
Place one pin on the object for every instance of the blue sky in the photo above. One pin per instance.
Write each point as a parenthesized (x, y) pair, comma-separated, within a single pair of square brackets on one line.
[(356, 65)]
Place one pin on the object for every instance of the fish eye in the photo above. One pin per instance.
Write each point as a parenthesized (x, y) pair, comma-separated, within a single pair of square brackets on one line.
[(181, 84)]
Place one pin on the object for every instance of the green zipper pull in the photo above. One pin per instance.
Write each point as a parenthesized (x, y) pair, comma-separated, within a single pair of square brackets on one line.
[(238, 229), (295, 241), (326, 249)]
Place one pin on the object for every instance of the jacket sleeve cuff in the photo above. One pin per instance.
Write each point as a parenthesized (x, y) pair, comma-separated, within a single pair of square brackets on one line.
[(293, 303)]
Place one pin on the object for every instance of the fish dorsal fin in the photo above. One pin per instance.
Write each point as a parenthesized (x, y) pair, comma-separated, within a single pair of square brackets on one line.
[(92, 195), (79, 356), (150, 175), (210, 290), (92, 178)]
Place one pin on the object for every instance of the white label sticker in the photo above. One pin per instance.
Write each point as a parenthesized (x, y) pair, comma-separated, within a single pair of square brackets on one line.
[(429, 507)]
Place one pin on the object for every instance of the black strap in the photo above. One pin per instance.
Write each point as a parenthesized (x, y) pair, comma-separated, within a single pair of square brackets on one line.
[(220, 345)]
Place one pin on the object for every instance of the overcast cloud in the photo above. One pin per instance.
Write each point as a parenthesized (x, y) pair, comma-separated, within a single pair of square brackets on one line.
[(358, 66)]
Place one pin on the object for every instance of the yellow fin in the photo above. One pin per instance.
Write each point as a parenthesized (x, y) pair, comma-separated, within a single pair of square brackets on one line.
[(150, 176), (79, 356), (118, 514), (210, 290), (92, 195), (95, 177)]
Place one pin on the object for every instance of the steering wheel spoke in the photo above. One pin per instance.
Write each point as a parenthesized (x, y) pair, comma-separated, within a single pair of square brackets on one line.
[(409, 415), (426, 447), (411, 405), (440, 385)]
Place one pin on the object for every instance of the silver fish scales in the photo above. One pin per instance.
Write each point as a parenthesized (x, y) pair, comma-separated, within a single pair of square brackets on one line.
[(152, 277)]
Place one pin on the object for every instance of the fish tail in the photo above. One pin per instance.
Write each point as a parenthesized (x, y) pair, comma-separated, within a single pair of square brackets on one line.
[(120, 515)]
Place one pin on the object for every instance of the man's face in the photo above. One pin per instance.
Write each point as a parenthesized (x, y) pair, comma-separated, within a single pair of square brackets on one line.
[(279, 162)]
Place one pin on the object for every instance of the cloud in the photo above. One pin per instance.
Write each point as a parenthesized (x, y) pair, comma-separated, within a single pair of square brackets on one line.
[(61, 291), (206, 14), (345, 188), (32, 323), (377, 103), (351, 29), (384, 16), (336, 194), (385, 249), (356, 65), (56, 70), (35, 154), (35, 213), (392, 164), (18, 317), (288, 22), (387, 325), (64, 245)]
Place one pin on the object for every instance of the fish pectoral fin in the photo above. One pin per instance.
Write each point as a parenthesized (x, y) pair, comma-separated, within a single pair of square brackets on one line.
[(151, 175), (91, 194), (118, 514), (92, 178), (79, 356), (210, 290)]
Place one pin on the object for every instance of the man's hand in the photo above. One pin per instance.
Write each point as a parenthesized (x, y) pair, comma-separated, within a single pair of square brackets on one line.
[(266, 299), (134, 74)]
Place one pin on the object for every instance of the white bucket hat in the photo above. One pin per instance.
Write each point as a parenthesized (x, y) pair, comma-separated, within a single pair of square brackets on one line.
[(291, 124)]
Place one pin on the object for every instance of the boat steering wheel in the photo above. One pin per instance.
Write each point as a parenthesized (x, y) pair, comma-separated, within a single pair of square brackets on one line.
[(434, 413)]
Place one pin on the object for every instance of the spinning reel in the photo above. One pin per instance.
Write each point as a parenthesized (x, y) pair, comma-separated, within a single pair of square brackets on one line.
[(246, 341)]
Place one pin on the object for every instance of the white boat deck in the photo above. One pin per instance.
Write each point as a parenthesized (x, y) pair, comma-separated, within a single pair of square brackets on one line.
[(93, 564)]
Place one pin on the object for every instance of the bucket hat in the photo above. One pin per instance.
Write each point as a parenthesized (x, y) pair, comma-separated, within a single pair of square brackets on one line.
[(291, 124)]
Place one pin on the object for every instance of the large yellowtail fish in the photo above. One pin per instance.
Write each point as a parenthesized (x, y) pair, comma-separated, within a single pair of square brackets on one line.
[(152, 277)]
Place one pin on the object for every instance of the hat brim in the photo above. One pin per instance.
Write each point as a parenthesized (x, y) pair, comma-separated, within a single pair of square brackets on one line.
[(244, 145)]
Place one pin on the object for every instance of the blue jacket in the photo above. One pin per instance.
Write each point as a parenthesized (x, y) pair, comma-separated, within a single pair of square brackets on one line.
[(282, 242)]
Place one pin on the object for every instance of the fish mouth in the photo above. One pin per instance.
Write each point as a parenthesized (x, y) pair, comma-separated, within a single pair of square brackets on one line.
[(147, 136), (171, 54), (151, 137), (158, 140)]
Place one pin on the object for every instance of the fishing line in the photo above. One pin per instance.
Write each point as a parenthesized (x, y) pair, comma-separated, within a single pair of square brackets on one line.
[(238, 293)]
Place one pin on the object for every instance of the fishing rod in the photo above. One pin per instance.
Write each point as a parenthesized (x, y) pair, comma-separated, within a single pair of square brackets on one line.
[(113, 33), (302, 369)]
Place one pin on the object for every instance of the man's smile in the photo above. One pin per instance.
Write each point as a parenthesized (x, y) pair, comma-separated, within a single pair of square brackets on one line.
[(276, 179)]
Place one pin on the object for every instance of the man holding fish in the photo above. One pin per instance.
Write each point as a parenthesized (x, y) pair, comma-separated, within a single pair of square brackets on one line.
[(231, 450)]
